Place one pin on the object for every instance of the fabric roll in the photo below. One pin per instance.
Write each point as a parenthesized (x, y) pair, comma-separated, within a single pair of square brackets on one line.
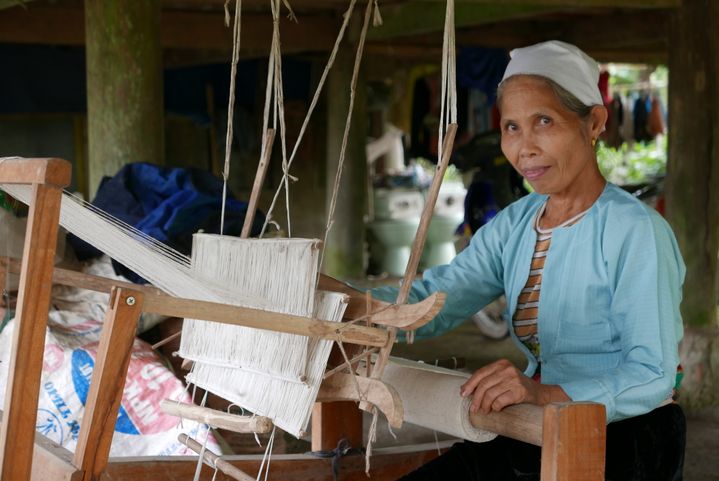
[(430, 397)]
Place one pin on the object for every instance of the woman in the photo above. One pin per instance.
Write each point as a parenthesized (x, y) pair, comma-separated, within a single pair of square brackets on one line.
[(592, 277)]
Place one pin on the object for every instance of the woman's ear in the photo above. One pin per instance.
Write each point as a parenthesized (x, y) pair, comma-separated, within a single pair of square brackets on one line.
[(597, 120)]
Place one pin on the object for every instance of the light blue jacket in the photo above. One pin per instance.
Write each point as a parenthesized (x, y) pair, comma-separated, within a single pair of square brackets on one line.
[(609, 321)]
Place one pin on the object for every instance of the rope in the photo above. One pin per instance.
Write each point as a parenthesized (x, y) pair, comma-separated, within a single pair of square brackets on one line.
[(310, 111), (231, 103), (448, 111), (348, 122)]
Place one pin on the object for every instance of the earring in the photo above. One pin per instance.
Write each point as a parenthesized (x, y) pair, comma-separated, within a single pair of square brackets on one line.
[(594, 142)]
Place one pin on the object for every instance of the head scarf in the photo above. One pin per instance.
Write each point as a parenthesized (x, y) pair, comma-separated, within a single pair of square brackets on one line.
[(567, 65)]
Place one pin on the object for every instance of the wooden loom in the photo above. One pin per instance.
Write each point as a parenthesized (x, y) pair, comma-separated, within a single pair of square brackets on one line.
[(572, 435)]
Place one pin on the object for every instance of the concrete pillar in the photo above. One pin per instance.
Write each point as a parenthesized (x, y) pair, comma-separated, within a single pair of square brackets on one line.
[(124, 85), (344, 252), (692, 185)]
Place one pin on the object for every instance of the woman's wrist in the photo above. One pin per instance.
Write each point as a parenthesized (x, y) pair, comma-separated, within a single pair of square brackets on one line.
[(552, 393)]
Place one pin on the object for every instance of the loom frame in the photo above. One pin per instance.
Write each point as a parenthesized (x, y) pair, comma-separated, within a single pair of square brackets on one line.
[(572, 435)]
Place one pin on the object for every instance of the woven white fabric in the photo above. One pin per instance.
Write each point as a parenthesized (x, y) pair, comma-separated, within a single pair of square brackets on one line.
[(288, 404), (278, 272), (430, 396)]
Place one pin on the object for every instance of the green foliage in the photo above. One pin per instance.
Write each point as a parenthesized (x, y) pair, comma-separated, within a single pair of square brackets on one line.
[(633, 165)]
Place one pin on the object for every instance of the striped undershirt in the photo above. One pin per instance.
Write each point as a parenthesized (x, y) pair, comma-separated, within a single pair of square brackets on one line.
[(527, 312)]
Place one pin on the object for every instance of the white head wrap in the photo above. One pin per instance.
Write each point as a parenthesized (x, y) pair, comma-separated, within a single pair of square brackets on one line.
[(564, 63)]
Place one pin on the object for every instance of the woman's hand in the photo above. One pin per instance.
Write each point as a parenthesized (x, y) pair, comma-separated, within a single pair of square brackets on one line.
[(500, 384)]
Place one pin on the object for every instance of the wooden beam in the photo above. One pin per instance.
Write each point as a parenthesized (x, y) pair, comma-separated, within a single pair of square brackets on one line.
[(644, 4), (17, 434), (108, 382), (521, 421), (35, 171), (387, 464), (218, 419), (52, 462), (179, 30), (333, 421), (415, 18), (573, 442)]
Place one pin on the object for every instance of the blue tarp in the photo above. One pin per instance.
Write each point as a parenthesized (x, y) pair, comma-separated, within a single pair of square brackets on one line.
[(169, 204)]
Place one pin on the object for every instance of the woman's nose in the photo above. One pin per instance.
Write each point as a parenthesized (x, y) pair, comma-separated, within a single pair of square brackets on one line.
[(528, 146)]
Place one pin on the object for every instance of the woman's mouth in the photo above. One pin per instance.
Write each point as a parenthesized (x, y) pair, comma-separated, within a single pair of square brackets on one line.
[(534, 173)]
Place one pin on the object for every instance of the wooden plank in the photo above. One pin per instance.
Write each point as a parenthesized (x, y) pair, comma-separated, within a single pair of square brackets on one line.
[(213, 460), (17, 436), (48, 25), (333, 421), (342, 387), (108, 382), (388, 464), (156, 301), (406, 316), (52, 462), (403, 316), (218, 419), (260, 319), (573, 442), (521, 421), (50, 171)]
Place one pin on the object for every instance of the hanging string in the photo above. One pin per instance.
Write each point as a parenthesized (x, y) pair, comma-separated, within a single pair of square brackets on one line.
[(377, 19), (371, 438), (448, 99), (230, 104), (267, 456), (310, 111), (348, 122)]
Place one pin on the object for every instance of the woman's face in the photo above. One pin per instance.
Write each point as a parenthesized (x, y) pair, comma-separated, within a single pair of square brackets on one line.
[(548, 144)]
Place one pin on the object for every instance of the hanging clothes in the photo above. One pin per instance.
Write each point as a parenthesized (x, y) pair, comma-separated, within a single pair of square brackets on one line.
[(626, 130), (612, 135), (642, 107), (656, 118)]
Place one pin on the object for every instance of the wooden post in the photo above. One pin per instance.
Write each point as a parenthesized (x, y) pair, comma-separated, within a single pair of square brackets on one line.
[(692, 192), (344, 252), (573, 442), (17, 436), (332, 421), (108, 382), (125, 108)]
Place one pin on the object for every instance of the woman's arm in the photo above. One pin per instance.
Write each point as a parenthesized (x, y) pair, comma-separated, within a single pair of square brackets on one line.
[(646, 273), (472, 280)]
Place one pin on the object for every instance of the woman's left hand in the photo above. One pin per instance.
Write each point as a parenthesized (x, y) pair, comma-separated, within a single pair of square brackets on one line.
[(500, 384)]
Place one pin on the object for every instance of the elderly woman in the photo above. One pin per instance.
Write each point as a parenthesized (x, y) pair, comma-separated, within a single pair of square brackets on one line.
[(592, 277)]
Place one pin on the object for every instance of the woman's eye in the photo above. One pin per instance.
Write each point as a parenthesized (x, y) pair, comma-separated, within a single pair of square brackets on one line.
[(510, 127), (544, 120)]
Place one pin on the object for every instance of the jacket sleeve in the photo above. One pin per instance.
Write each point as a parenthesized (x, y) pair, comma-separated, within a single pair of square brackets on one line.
[(646, 273), (472, 280)]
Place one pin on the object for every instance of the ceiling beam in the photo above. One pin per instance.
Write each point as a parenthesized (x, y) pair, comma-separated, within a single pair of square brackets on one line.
[(180, 30), (422, 17), (573, 3)]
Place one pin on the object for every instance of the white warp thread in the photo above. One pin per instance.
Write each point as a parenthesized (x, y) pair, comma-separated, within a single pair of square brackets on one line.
[(288, 404), (280, 271), (430, 397), (163, 267)]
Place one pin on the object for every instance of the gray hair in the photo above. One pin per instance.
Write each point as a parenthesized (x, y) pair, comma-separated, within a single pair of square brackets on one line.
[(567, 99)]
